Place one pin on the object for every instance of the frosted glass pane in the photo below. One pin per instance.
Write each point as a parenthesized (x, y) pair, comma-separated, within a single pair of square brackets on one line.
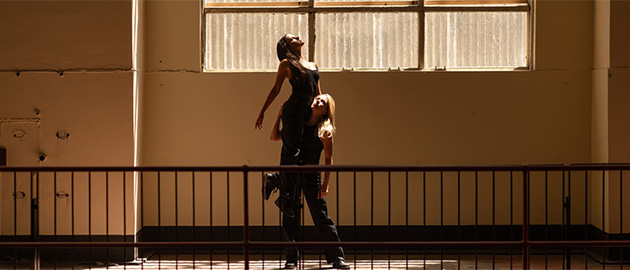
[(475, 39), (247, 41), (366, 40)]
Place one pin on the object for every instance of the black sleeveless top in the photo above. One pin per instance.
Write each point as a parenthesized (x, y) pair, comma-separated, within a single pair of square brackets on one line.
[(312, 146), (306, 89)]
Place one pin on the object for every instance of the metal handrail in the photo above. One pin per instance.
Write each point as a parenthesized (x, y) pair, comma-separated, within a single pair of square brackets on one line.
[(247, 244), (340, 168)]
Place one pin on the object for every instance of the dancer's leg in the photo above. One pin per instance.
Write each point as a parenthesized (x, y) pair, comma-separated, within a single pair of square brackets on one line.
[(319, 212)]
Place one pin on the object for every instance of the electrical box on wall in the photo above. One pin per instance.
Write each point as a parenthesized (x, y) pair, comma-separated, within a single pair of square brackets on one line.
[(3, 157)]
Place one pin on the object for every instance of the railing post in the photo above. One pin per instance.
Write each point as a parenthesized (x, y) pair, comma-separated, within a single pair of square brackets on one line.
[(567, 228), (35, 264), (525, 241), (246, 216)]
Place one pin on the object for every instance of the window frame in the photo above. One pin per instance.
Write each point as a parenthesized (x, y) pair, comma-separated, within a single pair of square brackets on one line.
[(311, 8)]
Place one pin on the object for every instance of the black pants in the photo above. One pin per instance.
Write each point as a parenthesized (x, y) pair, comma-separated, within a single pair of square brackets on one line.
[(293, 117), (310, 184)]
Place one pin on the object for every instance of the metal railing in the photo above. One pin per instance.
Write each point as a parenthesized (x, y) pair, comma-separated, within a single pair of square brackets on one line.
[(177, 196)]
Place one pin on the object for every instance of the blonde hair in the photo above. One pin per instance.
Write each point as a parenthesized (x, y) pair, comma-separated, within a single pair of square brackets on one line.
[(326, 126)]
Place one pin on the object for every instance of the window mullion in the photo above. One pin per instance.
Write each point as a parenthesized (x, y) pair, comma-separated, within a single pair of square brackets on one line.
[(421, 34), (311, 31)]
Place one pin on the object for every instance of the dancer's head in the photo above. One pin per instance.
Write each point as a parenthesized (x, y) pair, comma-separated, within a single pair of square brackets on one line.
[(289, 47), (325, 105)]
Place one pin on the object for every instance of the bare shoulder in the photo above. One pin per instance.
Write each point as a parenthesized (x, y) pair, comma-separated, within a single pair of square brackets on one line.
[(284, 68), (284, 63)]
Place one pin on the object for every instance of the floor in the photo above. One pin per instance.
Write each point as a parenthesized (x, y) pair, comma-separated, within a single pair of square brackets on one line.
[(366, 261)]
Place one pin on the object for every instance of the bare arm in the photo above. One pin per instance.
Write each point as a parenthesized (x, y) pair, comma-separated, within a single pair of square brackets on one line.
[(276, 135), (283, 72), (327, 141), (319, 88)]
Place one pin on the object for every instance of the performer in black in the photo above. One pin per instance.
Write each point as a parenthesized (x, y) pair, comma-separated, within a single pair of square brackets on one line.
[(304, 79), (318, 135)]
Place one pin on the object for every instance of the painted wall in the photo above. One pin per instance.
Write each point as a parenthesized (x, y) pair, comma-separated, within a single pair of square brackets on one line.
[(65, 66), (194, 118), (417, 118)]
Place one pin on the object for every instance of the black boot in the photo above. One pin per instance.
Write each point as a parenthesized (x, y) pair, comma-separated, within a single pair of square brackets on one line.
[(270, 184)]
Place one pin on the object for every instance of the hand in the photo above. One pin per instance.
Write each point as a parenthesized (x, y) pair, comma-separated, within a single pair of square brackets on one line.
[(323, 191), (259, 122)]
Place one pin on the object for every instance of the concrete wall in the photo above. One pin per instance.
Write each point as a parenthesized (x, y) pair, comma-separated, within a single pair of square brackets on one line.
[(610, 112), (188, 117), (417, 118), (65, 68)]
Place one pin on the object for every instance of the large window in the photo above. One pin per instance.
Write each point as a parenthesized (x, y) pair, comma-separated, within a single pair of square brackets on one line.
[(241, 35)]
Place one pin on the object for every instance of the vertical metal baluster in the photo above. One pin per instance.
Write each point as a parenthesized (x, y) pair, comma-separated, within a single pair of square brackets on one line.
[(246, 217), (55, 217), (107, 217), (371, 217), (90, 218), (194, 213), (511, 218), (424, 217), (354, 197), (407, 215), (159, 198), (72, 213), (585, 218), (603, 218), (564, 221), (262, 208), (228, 216), (302, 216), (459, 217), (568, 203), (546, 218), (441, 217), (493, 217), (526, 214), (38, 220), (15, 238), (141, 210), (176, 221), (211, 219), (32, 215), (124, 188), (389, 215), (476, 216), (337, 198), (319, 261), (621, 217)]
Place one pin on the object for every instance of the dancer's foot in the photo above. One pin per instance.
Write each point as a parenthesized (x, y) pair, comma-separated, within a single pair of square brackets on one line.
[(290, 265), (270, 185), (341, 264)]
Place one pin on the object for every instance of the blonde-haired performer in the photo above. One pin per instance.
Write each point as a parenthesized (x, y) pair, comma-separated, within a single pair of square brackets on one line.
[(319, 132)]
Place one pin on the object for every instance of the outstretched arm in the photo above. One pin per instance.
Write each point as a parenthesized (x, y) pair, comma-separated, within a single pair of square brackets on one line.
[(319, 88), (283, 72), (327, 141)]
